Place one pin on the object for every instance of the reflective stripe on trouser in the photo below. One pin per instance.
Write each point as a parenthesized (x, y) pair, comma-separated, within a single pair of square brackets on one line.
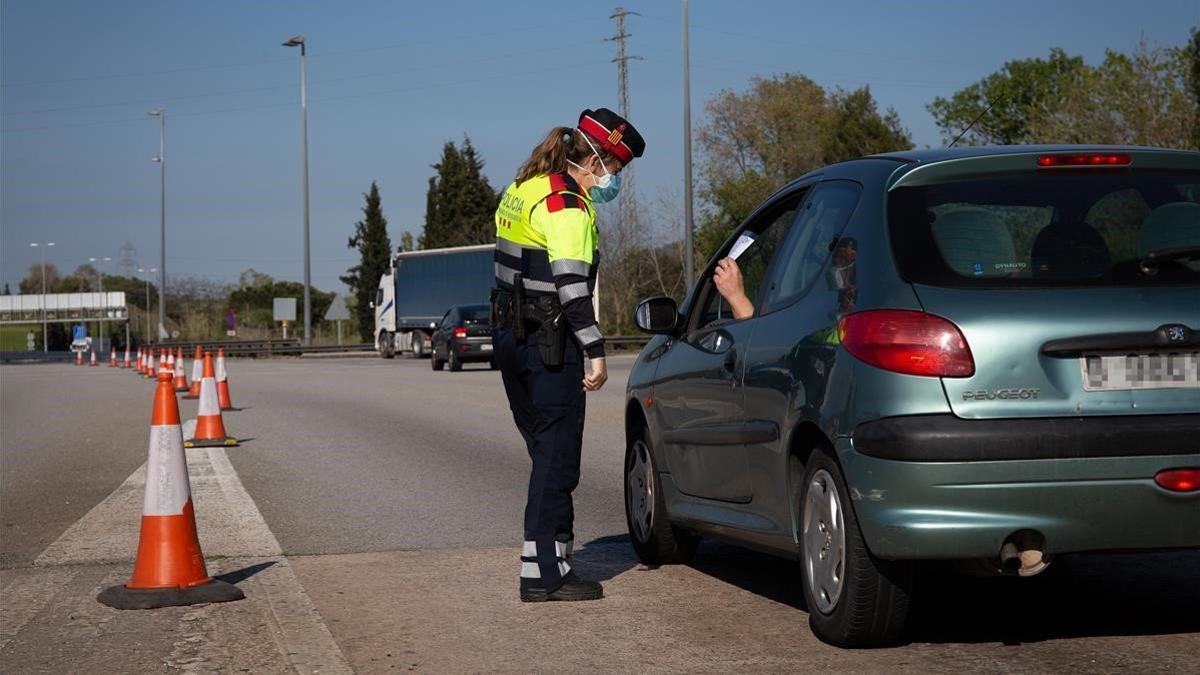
[(548, 408)]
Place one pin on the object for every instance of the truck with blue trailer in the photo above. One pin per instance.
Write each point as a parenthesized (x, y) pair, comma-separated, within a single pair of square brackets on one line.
[(415, 292)]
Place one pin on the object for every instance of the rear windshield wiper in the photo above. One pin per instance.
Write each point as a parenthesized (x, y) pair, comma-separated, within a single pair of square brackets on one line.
[(1149, 262)]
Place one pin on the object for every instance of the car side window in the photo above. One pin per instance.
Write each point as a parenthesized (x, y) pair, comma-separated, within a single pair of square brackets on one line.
[(810, 242), (447, 320), (769, 230)]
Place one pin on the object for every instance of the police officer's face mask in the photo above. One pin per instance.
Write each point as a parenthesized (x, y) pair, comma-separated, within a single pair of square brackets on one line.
[(607, 184)]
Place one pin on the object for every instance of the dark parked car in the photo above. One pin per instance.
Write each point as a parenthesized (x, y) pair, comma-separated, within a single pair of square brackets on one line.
[(983, 355), (464, 335)]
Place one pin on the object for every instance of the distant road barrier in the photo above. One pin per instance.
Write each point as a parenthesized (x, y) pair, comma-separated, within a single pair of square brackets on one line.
[(267, 348)]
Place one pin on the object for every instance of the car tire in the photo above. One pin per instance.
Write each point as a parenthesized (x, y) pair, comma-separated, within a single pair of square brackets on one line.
[(455, 362), (387, 346), (493, 365), (434, 361), (418, 344), (655, 540), (854, 599)]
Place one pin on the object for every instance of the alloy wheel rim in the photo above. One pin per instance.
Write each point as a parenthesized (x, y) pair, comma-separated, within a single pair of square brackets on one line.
[(824, 541), (639, 491)]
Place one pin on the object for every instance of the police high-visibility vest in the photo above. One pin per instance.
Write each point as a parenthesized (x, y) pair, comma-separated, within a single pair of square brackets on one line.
[(546, 231)]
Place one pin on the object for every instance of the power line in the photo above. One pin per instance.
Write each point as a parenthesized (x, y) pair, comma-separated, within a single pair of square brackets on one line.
[(347, 78), (437, 85), (828, 48), (421, 43)]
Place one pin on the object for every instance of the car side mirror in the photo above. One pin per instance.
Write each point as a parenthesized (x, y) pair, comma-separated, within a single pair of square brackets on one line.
[(658, 315)]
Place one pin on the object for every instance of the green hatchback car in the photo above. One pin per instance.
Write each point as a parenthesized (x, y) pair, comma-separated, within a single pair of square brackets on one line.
[(984, 355)]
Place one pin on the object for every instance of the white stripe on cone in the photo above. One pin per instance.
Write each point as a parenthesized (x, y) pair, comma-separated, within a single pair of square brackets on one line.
[(221, 374), (167, 484), (197, 369), (179, 368), (208, 398)]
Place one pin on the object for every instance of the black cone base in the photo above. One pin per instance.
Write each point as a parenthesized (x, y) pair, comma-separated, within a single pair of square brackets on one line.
[(120, 597), (227, 442)]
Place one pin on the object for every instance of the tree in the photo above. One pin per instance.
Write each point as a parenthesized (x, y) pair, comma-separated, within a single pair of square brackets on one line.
[(32, 283), (460, 204), (7, 290), (406, 241), (1002, 104), (375, 250), (254, 303), (780, 128), (1142, 98)]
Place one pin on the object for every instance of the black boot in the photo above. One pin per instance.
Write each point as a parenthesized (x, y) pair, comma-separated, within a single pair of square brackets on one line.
[(573, 588)]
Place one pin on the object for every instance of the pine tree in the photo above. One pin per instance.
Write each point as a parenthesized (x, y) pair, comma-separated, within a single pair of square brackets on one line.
[(375, 248), (460, 203)]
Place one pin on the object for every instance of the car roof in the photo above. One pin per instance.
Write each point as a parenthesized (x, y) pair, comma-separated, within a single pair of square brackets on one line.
[(967, 151)]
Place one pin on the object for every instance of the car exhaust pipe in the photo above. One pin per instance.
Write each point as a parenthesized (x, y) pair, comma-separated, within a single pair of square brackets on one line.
[(1023, 554)]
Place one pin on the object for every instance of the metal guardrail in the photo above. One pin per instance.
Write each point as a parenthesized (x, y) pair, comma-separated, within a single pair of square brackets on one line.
[(37, 356)]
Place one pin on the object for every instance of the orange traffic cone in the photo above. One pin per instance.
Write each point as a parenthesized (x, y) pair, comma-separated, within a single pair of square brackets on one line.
[(223, 382), (169, 569), (127, 362), (197, 374), (79, 358), (112, 357), (180, 377), (210, 429), (137, 364), (163, 362), (93, 362), (151, 373)]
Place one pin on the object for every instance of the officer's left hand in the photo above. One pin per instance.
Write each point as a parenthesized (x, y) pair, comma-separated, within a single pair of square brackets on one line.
[(598, 375)]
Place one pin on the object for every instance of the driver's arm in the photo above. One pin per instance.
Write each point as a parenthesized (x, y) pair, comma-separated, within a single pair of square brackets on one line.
[(728, 279)]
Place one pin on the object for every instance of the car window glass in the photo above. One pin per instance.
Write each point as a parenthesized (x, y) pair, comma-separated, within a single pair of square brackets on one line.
[(1033, 230), (447, 320), (770, 229), (810, 242)]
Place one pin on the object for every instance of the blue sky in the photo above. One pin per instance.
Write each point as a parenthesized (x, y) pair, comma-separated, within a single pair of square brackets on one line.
[(390, 82)]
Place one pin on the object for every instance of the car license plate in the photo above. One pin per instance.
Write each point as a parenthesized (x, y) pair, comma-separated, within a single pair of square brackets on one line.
[(1178, 370), (487, 347)]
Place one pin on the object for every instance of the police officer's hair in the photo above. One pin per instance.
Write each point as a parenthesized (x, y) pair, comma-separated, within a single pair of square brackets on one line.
[(560, 145)]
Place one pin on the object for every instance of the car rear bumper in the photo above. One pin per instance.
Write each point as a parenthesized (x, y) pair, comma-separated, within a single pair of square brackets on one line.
[(946, 438), (959, 510), (473, 348)]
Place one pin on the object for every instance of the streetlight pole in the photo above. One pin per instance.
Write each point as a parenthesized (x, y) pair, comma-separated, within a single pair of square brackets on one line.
[(161, 114), (45, 330), (687, 157), (151, 270), (298, 41), (103, 303)]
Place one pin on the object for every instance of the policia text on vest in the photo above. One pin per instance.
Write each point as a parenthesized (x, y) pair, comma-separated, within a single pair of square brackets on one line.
[(544, 325)]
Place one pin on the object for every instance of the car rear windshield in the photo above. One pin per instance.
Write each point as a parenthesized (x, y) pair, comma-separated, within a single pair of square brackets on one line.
[(1078, 228), (475, 314)]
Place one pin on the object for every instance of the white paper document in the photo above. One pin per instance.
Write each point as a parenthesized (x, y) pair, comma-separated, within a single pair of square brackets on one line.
[(744, 241)]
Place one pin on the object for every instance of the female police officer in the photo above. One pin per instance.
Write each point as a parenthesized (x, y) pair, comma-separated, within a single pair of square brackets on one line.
[(544, 324)]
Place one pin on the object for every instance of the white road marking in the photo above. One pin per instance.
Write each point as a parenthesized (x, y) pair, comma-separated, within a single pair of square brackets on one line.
[(230, 526)]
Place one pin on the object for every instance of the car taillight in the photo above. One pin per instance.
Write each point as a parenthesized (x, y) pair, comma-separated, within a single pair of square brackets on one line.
[(1091, 159), (908, 342), (1179, 480), (460, 332)]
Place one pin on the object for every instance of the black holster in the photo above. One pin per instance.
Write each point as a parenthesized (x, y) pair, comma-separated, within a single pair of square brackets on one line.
[(551, 331), (542, 315)]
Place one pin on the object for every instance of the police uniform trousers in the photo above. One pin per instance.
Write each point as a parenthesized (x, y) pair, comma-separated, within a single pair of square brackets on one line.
[(548, 406)]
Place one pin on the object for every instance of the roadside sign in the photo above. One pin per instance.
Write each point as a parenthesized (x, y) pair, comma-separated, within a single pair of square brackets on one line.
[(285, 309), (337, 310)]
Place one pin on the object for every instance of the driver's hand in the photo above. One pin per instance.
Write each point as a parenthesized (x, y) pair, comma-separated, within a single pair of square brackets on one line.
[(597, 374), (728, 278)]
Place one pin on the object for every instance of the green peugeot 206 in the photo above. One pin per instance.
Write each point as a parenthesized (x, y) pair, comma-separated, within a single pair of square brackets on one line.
[(983, 355)]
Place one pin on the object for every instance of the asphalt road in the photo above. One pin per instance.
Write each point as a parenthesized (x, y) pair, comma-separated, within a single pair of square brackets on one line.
[(373, 515)]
